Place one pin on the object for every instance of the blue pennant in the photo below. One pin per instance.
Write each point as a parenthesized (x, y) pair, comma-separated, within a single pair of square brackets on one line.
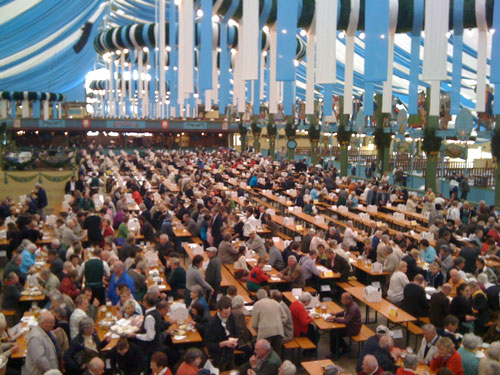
[(205, 66), (495, 57)]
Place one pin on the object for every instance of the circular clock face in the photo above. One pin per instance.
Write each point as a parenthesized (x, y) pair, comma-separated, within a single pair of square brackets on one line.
[(292, 144)]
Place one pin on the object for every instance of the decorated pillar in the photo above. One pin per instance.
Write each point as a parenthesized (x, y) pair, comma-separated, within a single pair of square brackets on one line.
[(271, 134), (431, 146), (256, 130), (243, 136), (290, 132), (495, 152), (343, 138), (383, 137)]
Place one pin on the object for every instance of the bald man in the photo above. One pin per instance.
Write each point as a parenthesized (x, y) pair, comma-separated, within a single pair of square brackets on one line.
[(370, 366), (265, 361), (351, 317), (95, 367)]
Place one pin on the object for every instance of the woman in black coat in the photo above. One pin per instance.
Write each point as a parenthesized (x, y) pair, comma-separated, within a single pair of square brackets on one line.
[(85, 346), (461, 307), (200, 317)]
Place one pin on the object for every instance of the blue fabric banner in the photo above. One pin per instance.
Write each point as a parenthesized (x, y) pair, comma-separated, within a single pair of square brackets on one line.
[(458, 42), (418, 18), (287, 19), (288, 97), (264, 15), (495, 57), (205, 66), (328, 99), (376, 40)]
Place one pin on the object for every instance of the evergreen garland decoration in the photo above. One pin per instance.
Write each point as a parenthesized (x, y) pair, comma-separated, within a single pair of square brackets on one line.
[(314, 128), (242, 130), (431, 143), (343, 136), (290, 130), (256, 130), (271, 127), (382, 139), (495, 143)]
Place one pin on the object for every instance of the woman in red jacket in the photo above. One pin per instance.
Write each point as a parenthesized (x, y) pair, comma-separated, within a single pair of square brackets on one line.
[(447, 356), (300, 317), (257, 277), (68, 284)]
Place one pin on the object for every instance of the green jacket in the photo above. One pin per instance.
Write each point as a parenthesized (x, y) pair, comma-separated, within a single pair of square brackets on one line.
[(268, 366)]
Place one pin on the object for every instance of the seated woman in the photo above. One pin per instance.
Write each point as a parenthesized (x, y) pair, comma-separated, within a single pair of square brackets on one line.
[(196, 294), (447, 357), (200, 315), (257, 277), (6, 346), (159, 364), (68, 284), (461, 308), (241, 270), (191, 363), (128, 309), (434, 277), (85, 346)]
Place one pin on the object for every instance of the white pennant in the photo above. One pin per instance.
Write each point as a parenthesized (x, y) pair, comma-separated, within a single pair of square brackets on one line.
[(387, 87), (273, 84), (186, 50), (326, 38), (435, 48), (349, 56), (310, 52), (482, 48), (250, 41)]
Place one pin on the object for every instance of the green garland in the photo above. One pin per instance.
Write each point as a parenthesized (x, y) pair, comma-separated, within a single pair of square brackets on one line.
[(290, 130), (242, 130), (382, 139), (271, 127), (431, 143), (56, 178), (19, 178), (256, 130), (57, 164), (314, 128), (343, 136), (495, 143)]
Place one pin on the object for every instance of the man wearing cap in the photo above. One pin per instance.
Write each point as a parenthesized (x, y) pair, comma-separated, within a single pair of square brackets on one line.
[(372, 344), (213, 274)]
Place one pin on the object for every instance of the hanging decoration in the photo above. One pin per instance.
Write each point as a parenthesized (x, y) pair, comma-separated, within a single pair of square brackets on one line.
[(458, 43), (482, 47)]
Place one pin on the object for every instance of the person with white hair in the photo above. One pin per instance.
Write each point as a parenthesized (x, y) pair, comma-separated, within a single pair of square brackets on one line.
[(28, 257), (350, 235), (42, 352), (492, 356), (370, 366), (301, 320), (397, 284), (410, 365), (428, 347), (293, 273), (470, 362), (493, 368), (6, 347), (287, 368), (268, 318), (265, 360), (256, 243)]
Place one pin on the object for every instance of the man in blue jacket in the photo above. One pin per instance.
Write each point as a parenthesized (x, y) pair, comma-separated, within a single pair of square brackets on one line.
[(119, 277), (41, 199)]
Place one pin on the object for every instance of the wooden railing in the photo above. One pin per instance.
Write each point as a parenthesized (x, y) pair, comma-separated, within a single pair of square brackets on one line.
[(483, 177)]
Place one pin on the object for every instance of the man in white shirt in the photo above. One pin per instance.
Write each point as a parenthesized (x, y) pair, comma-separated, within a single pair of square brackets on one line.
[(250, 222), (453, 212), (149, 336), (350, 236), (82, 306), (428, 347)]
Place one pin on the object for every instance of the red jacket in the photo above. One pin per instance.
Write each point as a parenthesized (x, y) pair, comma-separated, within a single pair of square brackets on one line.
[(257, 275), (378, 372), (300, 317), (68, 287), (402, 371), (454, 363)]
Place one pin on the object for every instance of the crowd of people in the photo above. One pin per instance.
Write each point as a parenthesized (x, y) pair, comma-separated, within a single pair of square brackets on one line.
[(101, 250)]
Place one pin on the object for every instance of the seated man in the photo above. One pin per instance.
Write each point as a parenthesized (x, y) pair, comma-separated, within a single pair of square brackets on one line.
[(351, 317), (221, 337), (293, 273), (308, 265), (265, 361), (385, 355), (414, 298), (428, 347), (449, 329), (370, 366)]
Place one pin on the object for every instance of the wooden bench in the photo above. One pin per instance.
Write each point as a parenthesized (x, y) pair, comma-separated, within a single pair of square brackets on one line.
[(415, 330), (425, 320), (285, 237), (364, 334), (356, 283), (227, 271), (300, 344), (344, 285)]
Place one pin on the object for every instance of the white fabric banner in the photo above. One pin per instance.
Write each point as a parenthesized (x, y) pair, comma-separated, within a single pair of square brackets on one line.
[(310, 52), (3, 108), (273, 84), (349, 56), (15, 8), (482, 49), (326, 39), (249, 45), (45, 109), (162, 58), (435, 65), (186, 50), (387, 87), (435, 41)]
